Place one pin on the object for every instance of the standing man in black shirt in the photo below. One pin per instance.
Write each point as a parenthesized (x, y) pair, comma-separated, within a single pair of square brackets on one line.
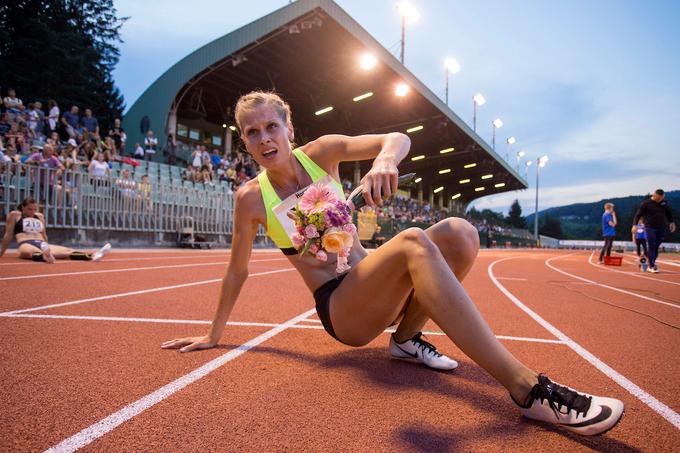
[(655, 211)]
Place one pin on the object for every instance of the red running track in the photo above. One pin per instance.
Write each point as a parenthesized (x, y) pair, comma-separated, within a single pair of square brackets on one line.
[(83, 367)]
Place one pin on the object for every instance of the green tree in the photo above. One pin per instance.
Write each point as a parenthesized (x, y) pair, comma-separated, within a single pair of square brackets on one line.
[(515, 218), (62, 49), (550, 226)]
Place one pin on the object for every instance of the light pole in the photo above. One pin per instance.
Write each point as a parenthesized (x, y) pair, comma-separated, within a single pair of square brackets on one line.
[(408, 13), (526, 169), (477, 99), (451, 67), (540, 163), (520, 154), (511, 141), (497, 124)]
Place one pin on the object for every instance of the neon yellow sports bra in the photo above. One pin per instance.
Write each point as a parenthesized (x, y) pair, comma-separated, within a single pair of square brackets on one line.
[(270, 198)]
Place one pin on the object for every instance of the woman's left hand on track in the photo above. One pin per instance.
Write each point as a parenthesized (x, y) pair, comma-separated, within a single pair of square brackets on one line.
[(189, 344)]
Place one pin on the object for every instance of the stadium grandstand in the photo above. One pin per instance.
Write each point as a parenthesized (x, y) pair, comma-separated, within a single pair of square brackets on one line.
[(180, 155)]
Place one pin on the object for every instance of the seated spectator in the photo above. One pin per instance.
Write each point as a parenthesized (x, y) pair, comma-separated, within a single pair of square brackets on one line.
[(71, 122), (126, 185), (144, 193), (5, 125), (52, 115), (32, 119), (90, 123), (215, 159), (197, 157), (189, 173), (139, 151), (13, 105), (206, 175)]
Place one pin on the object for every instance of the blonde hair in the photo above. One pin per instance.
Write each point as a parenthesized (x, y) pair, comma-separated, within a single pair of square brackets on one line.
[(254, 99), (609, 205)]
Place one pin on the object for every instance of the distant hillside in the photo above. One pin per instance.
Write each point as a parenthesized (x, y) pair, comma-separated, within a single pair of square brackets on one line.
[(583, 220)]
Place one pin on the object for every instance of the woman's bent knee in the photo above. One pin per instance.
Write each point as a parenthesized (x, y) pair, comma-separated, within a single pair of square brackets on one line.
[(418, 242)]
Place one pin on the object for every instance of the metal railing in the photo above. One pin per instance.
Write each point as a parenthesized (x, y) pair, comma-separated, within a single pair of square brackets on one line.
[(75, 199)]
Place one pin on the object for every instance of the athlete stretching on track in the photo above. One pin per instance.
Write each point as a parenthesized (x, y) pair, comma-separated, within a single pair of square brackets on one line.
[(411, 278), (27, 225)]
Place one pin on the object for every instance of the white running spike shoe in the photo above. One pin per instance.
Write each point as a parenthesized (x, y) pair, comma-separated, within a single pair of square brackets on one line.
[(421, 351), (99, 254), (47, 253), (578, 412)]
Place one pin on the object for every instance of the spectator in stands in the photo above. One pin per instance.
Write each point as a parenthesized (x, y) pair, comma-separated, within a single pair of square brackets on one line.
[(32, 119), (99, 169), (150, 144), (197, 157), (5, 125), (71, 122), (144, 193), (117, 133), (45, 158), (171, 149), (13, 104), (139, 151), (108, 146), (215, 159), (127, 188), (90, 124), (655, 211), (189, 173), (206, 176), (608, 230), (52, 115)]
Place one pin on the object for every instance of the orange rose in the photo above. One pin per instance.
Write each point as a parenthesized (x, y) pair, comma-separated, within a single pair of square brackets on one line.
[(335, 240)]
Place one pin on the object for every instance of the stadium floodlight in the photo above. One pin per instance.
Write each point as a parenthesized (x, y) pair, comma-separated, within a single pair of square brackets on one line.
[(479, 189), (452, 67), (477, 100), (540, 163), (444, 171), (447, 150), (401, 90), (455, 196), (233, 128), (463, 181), (470, 165), (527, 164), (408, 14), (497, 124), (511, 141), (361, 97), (368, 61), (414, 129), (487, 176), (417, 180), (420, 157), (520, 154), (499, 185), (224, 126), (438, 189), (322, 111)]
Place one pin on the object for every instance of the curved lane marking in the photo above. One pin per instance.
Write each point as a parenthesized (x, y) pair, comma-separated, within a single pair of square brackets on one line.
[(657, 406), (634, 274)]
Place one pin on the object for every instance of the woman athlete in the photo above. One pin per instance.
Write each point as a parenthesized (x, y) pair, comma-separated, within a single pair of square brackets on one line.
[(27, 226), (423, 268)]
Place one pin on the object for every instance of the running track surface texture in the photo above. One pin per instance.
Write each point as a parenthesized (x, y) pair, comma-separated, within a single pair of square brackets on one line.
[(83, 369)]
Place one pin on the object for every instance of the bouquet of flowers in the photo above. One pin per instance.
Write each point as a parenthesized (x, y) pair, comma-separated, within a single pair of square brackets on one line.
[(324, 225)]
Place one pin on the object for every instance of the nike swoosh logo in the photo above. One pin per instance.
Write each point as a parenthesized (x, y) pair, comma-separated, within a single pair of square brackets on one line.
[(603, 415), (412, 354)]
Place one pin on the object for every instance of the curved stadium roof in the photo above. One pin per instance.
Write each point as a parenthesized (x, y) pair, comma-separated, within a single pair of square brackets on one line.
[(308, 51)]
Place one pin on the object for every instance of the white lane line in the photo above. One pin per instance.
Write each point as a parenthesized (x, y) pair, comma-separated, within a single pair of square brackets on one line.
[(237, 323), (671, 262), (133, 293), (634, 274), (130, 269), (630, 293), (97, 430), (109, 260), (513, 278), (666, 412)]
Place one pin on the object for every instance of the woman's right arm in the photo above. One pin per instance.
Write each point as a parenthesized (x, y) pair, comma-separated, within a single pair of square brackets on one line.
[(9, 232), (244, 232)]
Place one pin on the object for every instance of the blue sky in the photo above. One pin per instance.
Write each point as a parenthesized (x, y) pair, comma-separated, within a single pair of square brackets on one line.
[(594, 85)]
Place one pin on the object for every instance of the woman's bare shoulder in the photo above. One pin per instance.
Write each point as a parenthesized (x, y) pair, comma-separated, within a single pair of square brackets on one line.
[(248, 200)]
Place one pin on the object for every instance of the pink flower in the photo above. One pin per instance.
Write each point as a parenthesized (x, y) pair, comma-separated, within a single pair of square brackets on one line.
[(311, 232), (317, 198), (350, 228), (342, 265), (344, 252), (314, 248), (321, 255), (298, 240)]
